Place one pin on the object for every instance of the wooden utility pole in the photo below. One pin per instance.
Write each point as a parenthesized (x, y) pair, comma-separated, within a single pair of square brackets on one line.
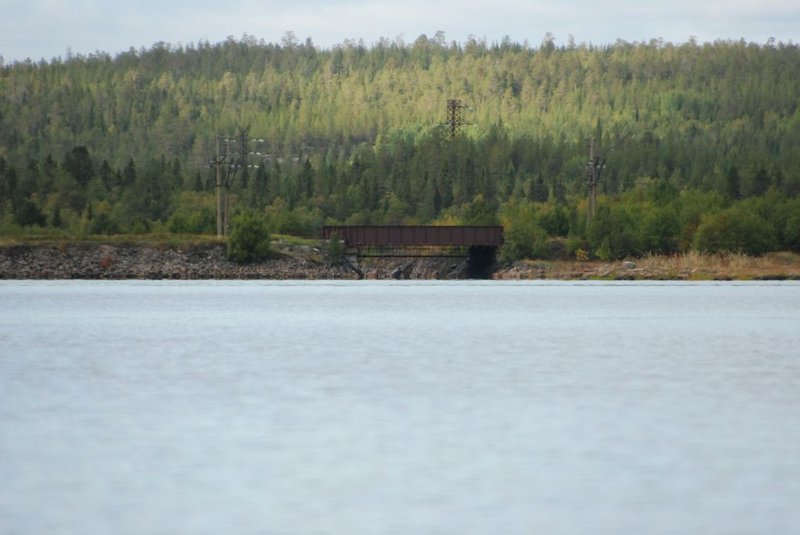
[(219, 160), (226, 165), (593, 168)]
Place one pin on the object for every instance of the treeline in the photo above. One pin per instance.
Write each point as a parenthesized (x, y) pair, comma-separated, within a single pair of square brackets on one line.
[(695, 137)]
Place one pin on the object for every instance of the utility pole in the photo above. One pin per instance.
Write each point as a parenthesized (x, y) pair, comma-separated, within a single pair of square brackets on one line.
[(593, 168), (230, 173), (236, 152), (226, 165), (218, 162)]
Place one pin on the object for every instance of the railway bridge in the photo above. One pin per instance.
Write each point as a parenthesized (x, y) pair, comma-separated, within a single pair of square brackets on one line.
[(478, 244)]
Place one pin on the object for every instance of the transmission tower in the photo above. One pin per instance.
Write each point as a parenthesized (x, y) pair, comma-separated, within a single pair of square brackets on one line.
[(455, 116)]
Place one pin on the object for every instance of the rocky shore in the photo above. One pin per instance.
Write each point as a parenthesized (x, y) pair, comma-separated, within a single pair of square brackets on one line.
[(297, 262), (689, 267), (627, 270), (207, 261)]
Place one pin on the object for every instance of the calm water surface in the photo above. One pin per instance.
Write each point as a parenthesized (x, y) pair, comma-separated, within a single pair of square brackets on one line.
[(378, 407)]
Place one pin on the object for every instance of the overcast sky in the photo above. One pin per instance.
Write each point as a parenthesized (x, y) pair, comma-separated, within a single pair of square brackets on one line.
[(46, 29)]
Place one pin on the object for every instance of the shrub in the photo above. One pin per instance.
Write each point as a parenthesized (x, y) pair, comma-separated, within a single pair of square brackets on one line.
[(611, 233), (195, 213), (102, 224), (659, 231), (736, 230), (520, 230), (791, 233), (300, 221), (335, 248), (27, 213), (520, 242), (250, 239), (479, 211), (554, 219)]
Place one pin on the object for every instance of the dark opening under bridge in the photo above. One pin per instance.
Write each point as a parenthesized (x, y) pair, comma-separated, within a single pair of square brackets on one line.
[(477, 243)]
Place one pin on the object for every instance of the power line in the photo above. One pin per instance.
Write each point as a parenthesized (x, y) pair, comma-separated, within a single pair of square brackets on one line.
[(235, 157)]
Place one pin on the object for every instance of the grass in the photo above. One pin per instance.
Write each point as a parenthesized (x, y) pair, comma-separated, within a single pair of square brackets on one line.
[(280, 242), (698, 266), (687, 266), (295, 240), (156, 239)]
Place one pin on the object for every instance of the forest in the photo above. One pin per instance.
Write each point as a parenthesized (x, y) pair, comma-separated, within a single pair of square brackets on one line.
[(700, 143)]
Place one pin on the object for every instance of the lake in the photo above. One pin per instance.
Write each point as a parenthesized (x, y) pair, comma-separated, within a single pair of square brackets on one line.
[(200, 407)]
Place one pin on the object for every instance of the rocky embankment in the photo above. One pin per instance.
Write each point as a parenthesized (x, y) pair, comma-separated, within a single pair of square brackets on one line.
[(293, 262), (207, 261)]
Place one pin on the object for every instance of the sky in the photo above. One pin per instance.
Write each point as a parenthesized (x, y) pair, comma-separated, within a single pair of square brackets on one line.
[(47, 29)]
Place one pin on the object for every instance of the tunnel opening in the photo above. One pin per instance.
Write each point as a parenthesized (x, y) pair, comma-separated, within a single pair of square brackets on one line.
[(481, 261)]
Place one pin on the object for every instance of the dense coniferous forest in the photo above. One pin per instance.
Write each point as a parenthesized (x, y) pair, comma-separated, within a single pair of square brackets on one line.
[(701, 142)]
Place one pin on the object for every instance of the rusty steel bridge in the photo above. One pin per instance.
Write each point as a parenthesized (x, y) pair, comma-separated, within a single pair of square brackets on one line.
[(417, 240)]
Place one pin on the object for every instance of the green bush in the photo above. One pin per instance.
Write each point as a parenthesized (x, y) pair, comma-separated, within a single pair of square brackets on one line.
[(102, 224), (554, 218), (300, 221), (791, 232), (519, 230), (335, 248), (27, 213), (250, 239), (612, 234), (195, 213), (518, 243), (659, 231), (736, 230), (478, 212)]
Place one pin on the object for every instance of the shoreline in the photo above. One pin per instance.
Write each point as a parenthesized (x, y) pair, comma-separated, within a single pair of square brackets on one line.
[(81, 260), (689, 267)]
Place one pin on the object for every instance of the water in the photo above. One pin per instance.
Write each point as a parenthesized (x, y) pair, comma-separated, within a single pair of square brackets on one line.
[(394, 407)]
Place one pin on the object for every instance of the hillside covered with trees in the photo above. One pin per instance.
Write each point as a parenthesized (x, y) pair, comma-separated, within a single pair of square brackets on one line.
[(701, 141)]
